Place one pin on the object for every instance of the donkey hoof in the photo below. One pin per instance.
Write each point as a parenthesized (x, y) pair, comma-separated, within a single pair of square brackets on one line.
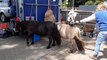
[(59, 46), (90, 36), (84, 34), (53, 44), (72, 51), (48, 47), (28, 45), (32, 43), (77, 52)]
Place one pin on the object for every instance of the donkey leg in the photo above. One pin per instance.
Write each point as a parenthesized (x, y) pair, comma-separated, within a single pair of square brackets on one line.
[(32, 42), (50, 42), (73, 46), (57, 40), (53, 44), (27, 41)]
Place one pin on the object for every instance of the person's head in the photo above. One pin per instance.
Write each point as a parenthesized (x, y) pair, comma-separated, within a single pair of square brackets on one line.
[(101, 6)]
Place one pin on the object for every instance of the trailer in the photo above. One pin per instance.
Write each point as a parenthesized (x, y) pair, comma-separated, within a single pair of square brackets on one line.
[(26, 10), (36, 9)]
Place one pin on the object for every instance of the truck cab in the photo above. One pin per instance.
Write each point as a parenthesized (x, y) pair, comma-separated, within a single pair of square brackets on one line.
[(5, 10)]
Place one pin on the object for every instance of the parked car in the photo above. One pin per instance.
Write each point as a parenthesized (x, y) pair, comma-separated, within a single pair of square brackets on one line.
[(4, 12)]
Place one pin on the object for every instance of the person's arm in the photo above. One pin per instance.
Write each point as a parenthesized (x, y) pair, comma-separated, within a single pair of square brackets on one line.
[(90, 18)]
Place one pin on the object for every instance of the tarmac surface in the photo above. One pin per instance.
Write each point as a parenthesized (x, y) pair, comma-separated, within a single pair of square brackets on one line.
[(14, 48)]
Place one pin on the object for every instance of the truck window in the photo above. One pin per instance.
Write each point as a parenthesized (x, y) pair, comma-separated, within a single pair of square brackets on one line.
[(5, 4)]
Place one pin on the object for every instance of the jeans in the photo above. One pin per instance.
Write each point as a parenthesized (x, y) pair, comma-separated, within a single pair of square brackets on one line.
[(102, 35)]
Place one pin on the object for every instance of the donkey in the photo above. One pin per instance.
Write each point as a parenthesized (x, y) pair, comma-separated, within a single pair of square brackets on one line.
[(72, 34), (47, 29)]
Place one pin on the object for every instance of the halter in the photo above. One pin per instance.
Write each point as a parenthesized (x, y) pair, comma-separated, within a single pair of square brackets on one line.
[(71, 17)]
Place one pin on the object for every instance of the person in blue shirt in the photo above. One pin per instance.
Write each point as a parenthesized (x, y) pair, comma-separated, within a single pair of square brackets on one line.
[(101, 21)]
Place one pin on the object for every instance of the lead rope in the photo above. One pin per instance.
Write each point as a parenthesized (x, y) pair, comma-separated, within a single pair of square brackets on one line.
[(31, 13)]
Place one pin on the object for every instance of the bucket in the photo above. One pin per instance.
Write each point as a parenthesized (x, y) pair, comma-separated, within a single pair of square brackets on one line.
[(36, 38)]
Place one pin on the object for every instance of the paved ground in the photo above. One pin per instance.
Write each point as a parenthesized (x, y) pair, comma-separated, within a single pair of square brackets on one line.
[(14, 48)]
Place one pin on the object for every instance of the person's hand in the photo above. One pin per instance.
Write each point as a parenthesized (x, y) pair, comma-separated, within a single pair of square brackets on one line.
[(77, 22)]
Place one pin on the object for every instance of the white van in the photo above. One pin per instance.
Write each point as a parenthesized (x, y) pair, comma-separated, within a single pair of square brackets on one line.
[(4, 11)]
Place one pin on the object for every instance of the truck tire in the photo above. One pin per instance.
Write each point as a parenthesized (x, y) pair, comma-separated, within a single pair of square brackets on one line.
[(3, 17)]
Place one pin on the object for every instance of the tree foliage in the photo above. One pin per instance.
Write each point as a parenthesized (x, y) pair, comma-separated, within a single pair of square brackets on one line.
[(80, 2), (93, 2)]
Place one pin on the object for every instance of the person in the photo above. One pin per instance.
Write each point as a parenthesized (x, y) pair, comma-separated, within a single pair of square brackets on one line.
[(101, 22)]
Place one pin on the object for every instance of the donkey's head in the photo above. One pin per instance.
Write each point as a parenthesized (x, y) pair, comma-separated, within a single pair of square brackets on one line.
[(71, 17)]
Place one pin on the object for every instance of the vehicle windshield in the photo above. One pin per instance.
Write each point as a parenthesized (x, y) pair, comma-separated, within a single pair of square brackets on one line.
[(3, 4)]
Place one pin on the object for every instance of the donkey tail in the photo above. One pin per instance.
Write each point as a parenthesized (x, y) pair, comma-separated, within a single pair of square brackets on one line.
[(56, 35)]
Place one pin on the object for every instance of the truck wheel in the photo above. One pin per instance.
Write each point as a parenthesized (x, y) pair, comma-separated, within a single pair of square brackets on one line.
[(3, 17)]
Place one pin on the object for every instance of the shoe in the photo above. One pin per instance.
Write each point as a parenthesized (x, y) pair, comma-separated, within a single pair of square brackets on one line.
[(94, 57)]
